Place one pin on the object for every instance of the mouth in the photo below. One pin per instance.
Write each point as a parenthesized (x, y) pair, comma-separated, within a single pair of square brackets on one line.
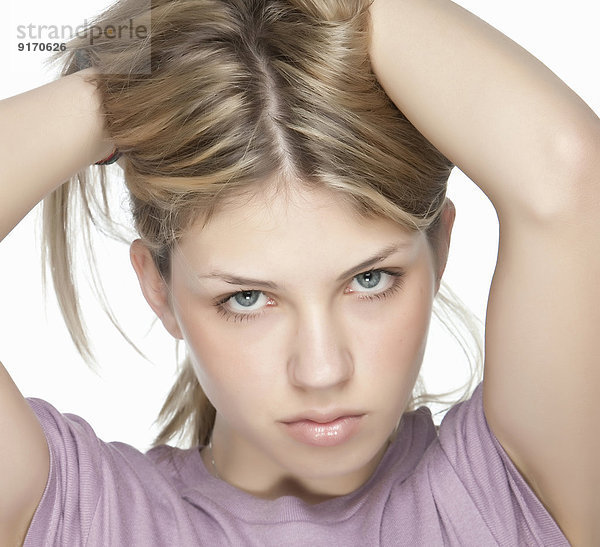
[(324, 430)]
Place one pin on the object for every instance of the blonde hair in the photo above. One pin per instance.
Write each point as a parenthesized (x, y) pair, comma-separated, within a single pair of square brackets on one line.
[(240, 92)]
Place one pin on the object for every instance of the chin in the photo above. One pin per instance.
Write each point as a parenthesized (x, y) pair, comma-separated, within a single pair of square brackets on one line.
[(334, 463)]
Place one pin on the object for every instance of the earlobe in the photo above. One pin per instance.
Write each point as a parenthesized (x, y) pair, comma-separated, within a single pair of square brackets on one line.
[(443, 239), (153, 286)]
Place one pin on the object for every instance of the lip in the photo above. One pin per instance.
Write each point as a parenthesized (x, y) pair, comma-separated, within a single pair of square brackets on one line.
[(323, 417), (324, 430)]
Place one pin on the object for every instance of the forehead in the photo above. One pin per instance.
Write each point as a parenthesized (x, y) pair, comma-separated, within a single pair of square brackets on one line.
[(281, 240), (289, 222)]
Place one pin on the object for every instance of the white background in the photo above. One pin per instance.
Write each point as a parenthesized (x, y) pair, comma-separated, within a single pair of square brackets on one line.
[(123, 401)]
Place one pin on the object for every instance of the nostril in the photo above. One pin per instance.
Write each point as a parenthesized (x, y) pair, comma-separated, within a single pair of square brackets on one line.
[(322, 374)]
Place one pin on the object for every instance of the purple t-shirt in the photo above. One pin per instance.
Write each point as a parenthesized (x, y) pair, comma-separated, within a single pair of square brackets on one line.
[(458, 488)]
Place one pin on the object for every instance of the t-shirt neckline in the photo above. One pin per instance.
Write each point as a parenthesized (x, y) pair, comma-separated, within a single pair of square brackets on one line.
[(204, 488)]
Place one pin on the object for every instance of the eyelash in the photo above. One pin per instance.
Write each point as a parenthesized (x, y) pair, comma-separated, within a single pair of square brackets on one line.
[(238, 317)]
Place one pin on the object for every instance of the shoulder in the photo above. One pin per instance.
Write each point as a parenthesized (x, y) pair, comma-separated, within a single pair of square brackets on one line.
[(470, 473), (463, 488), (103, 493)]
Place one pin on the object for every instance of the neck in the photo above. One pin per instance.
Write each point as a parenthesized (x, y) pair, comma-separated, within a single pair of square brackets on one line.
[(255, 481)]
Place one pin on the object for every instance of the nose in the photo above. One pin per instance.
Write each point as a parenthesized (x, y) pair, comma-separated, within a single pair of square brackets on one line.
[(321, 358)]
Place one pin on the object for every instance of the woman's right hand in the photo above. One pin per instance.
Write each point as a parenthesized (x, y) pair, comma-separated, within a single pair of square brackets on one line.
[(47, 135)]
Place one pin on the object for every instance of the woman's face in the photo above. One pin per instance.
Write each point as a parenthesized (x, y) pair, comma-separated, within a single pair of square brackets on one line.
[(310, 362)]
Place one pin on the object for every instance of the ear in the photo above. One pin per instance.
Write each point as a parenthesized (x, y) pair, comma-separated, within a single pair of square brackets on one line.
[(442, 240), (153, 286)]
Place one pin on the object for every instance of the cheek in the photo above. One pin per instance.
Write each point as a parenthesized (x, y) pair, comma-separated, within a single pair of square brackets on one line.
[(226, 356), (392, 343)]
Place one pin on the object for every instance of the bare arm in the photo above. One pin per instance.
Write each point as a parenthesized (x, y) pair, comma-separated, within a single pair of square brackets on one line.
[(47, 134), (492, 108), (533, 146)]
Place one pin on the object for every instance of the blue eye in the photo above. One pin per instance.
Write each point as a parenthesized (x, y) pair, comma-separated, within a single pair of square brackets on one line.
[(374, 276), (248, 298)]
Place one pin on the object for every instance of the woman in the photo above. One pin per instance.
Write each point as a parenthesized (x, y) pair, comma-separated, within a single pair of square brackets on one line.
[(293, 232)]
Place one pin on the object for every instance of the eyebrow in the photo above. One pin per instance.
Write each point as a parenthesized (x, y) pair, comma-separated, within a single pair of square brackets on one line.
[(381, 255)]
